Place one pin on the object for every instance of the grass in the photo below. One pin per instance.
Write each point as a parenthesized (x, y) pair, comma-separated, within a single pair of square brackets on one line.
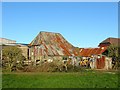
[(90, 79)]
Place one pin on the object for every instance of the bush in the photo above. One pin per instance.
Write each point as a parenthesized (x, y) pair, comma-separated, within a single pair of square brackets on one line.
[(52, 67), (45, 67), (12, 58), (75, 68), (29, 69)]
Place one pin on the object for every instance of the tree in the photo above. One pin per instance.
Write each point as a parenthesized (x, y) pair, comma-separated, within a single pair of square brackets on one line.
[(12, 57), (113, 51)]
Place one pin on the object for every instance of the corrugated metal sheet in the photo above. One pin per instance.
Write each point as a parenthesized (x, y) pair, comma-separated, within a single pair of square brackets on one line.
[(49, 43), (92, 51)]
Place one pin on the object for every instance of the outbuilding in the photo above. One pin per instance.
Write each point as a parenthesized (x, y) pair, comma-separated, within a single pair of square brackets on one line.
[(98, 59)]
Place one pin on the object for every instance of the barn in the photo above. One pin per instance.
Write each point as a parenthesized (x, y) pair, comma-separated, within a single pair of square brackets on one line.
[(49, 45)]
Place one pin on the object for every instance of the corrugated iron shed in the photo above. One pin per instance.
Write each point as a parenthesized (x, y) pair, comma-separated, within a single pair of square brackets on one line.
[(48, 43)]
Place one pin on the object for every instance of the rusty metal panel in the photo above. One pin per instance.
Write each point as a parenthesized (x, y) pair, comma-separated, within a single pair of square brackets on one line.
[(92, 51)]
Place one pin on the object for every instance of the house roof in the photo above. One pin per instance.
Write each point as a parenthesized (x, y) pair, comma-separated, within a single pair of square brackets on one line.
[(53, 44), (92, 51), (108, 41), (6, 41)]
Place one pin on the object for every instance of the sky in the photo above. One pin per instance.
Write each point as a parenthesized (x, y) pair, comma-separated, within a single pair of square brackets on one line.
[(83, 24)]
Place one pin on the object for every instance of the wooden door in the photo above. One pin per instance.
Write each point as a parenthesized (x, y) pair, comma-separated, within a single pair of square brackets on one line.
[(101, 62)]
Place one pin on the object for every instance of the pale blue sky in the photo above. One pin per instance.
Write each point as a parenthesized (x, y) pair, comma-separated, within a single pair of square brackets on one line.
[(82, 24)]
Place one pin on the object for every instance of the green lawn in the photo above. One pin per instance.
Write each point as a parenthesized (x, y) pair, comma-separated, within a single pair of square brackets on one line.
[(90, 79)]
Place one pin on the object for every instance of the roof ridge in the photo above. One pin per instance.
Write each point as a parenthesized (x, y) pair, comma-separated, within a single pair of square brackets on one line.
[(48, 32)]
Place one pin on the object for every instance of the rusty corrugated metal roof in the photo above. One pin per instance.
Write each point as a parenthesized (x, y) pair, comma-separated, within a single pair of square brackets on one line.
[(92, 51), (49, 43)]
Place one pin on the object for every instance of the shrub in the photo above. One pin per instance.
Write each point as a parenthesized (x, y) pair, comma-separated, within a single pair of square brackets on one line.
[(12, 58), (52, 67)]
